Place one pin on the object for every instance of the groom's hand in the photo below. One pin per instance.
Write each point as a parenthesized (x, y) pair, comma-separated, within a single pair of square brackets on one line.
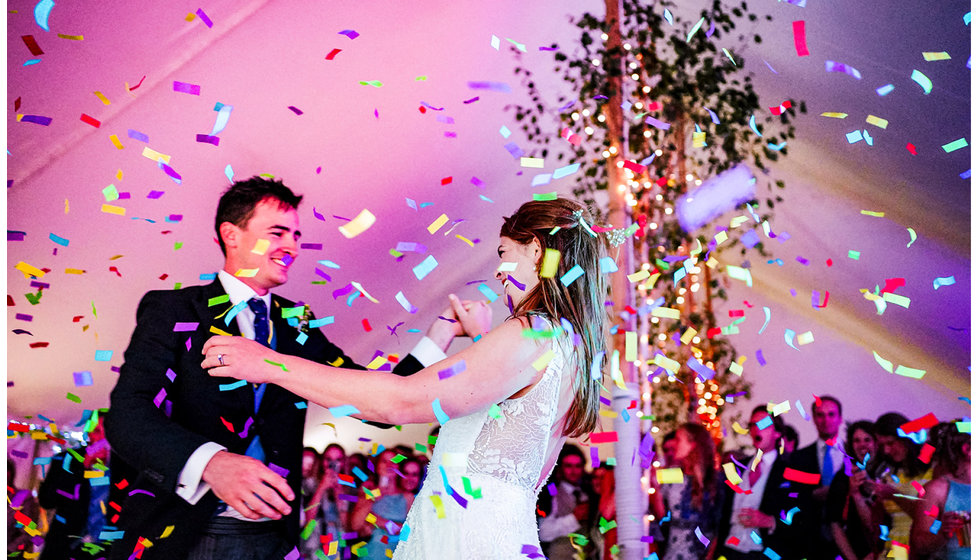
[(247, 485)]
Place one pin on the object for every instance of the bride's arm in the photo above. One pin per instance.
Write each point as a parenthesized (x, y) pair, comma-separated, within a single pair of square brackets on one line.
[(492, 369)]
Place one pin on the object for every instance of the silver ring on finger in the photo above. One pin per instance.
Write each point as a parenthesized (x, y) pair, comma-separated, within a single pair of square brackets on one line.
[(221, 359)]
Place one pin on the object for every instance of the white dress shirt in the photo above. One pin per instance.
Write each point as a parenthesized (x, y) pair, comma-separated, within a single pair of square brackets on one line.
[(751, 501)]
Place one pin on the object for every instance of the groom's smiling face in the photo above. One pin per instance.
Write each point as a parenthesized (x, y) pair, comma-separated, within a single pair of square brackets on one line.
[(266, 245)]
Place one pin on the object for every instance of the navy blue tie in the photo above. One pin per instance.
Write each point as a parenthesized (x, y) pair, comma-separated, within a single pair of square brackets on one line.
[(262, 336)]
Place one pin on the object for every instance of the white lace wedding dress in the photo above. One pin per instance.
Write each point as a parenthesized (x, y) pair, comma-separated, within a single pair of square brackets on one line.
[(494, 463)]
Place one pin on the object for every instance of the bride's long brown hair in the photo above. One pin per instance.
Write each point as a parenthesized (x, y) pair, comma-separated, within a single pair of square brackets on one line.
[(556, 225)]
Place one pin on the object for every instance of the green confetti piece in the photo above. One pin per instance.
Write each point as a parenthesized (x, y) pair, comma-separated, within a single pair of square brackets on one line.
[(854, 255), (477, 493), (374, 83), (421, 78), (912, 235), (34, 298), (178, 245), (605, 525), (73, 398), (421, 448), (218, 300), (694, 30), (494, 411), (278, 365), (521, 47), (398, 458), (910, 372), (729, 55), (933, 56), (955, 145), (308, 530), (110, 193), (964, 427), (395, 253), (288, 312), (545, 196), (885, 364)]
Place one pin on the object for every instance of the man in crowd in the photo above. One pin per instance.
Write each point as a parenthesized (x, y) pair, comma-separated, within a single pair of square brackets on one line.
[(572, 508)]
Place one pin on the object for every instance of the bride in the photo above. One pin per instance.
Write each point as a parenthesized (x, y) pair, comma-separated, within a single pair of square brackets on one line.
[(506, 403)]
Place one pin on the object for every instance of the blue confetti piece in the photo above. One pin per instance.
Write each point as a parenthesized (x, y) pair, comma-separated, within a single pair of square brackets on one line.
[(317, 323), (572, 275), (137, 135), (343, 410), (425, 267), (565, 171), (83, 378), (41, 13), (607, 264), (753, 126), (300, 405), (668, 16), (32, 62), (232, 386), (764, 423), (230, 316), (301, 338), (965, 174), (103, 355), (487, 292), (885, 89), (771, 554), (59, 240), (441, 416), (788, 336), (934, 528)]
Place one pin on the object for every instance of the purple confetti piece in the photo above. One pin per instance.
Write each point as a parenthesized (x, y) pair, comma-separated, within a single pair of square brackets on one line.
[(158, 400), (292, 555), (169, 171), (711, 29), (514, 150), (342, 291), (449, 134), (154, 195), (427, 106), (552, 489), (185, 327), (16, 235), (350, 33), (516, 284), (445, 119), (279, 470), (490, 86), (22, 331), (208, 139), (36, 119), (137, 135), (171, 375), (184, 87), (657, 123), (69, 496), (792, 292), (453, 370), (44, 285), (468, 101), (547, 48), (342, 218), (447, 319), (770, 67), (248, 424), (600, 97), (832, 66), (204, 18), (804, 262), (288, 259), (187, 344), (323, 275), (704, 540), (758, 356), (82, 378), (295, 110), (318, 215), (312, 246), (594, 455)]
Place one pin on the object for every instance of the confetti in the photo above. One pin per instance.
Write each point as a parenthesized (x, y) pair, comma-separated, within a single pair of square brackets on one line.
[(885, 90), (343, 410), (425, 267), (572, 275), (799, 38), (358, 225), (204, 18), (333, 53), (349, 33), (922, 80), (942, 281), (933, 56), (877, 121), (441, 416), (832, 66), (41, 13), (955, 145), (184, 87)]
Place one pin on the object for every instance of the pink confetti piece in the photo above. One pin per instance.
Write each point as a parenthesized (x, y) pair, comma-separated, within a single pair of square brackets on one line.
[(799, 38), (333, 53), (90, 120), (185, 327), (184, 87)]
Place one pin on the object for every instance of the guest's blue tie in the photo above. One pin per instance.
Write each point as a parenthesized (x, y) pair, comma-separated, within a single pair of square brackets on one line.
[(263, 337), (827, 471)]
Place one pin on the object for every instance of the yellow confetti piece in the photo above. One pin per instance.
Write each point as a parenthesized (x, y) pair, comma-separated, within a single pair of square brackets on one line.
[(712, 262), (909, 372), (93, 474), (115, 141), (219, 332), (638, 275), (364, 293), (438, 223), (333, 548), (155, 156), (673, 475), (698, 139), (688, 335), (440, 511), (377, 362), (190, 16), (74, 271), (666, 363), (549, 264), (542, 361), (651, 281), (110, 209), (877, 121), (805, 338), (167, 531), (665, 312), (933, 56), (737, 221), (29, 270), (358, 225), (740, 273), (608, 414), (630, 346), (261, 246), (66, 206), (780, 408), (739, 429), (731, 473), (464, 240), (119, 174), (736, 368), (757, 459), (896, 299), (102, 97), (872, 213), (71, 37), (834, 115), (721, 237), (370, 518), (537, 163), (246, 272)]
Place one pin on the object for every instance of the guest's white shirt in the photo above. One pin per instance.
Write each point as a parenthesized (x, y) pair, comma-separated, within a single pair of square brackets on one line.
[(751, 501)]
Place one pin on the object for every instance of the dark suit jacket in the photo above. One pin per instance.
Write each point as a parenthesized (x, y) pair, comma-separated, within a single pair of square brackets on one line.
[(164, 407), (67, 492), (805, 459), (778, 496)]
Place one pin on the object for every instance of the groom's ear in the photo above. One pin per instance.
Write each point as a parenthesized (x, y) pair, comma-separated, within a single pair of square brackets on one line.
[(229, 234)]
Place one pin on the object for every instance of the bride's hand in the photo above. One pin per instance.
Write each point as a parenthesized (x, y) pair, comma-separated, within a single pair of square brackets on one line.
[(241, 358)]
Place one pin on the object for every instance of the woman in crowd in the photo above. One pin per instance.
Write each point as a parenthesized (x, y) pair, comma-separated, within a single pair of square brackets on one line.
[(509, 402), (333, 510), (380, 517), (947, 499), (695, 504), (309, 503), (901, 457), (849, 502)]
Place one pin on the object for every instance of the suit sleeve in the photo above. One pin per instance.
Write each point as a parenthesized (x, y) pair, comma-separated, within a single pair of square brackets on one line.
[(138, 430)]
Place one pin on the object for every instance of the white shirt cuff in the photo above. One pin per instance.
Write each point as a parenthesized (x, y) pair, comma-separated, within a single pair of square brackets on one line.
[(427, 352), (190, 487)]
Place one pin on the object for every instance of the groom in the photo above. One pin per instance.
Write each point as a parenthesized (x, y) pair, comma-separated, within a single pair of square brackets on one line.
[(208, 467)]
